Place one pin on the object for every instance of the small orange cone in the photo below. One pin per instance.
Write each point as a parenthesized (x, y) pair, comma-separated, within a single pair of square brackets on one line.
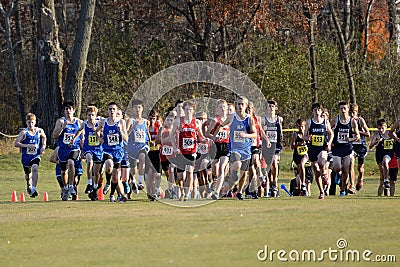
[(100, 195), (22, 197), (14, 196), (45, 197)]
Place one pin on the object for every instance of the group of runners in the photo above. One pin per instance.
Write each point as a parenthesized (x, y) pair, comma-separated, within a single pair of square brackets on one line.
[(232, 153)]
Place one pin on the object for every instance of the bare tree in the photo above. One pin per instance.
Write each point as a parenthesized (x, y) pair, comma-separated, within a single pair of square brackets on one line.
[(11, 51), (77, 65), (50, 61), (345, 34)]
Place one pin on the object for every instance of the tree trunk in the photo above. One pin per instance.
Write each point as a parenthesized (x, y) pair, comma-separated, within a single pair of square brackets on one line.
[(13, 64), (366, 35), (50, 61), (312, 18), (394, 26), (77, 66), (344, 41)]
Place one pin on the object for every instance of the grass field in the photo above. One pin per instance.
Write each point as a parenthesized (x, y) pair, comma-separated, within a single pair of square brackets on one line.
[(222, 233)]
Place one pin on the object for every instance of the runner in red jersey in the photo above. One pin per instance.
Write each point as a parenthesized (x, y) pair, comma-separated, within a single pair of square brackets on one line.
[(189, 132)]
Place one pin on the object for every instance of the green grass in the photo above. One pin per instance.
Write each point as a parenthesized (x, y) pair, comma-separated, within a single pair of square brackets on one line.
[(226, 232)]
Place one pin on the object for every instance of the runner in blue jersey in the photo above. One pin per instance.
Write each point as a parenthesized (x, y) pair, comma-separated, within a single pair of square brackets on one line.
[(242, 129), (319, 134), (112, 132), (92, 151), (345, 131), (138, 143), (68, 152), (32, 141)]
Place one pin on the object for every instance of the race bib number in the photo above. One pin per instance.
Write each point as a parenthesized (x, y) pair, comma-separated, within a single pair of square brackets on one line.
[(237, 138), (93, 140), (188, 143), (68, 137), (167, 150), (388, 144), (222, 134), (317, 140), (202, 148), (302, 150), (272, 136), (113, 139), (140, 136), (31, 150), (343, 138)]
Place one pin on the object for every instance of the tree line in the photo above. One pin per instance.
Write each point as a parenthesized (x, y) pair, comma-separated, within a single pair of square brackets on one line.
[(297, 52)]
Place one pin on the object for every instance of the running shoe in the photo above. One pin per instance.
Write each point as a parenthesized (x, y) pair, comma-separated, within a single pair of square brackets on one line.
[(106, 188), (64, 194), (112, 198), (321, 196), (254, 195), (351, 190), (122, 199), (359, 185), (89, 188), (214, 196), (387, 185), (185, 198), (342, 193), (33, 194), (93, 195), (239, 196), (140, 186)]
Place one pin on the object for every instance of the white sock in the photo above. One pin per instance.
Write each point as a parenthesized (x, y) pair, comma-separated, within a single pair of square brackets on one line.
[(140, 179), (33, 188), (95, 186), (89, 181)]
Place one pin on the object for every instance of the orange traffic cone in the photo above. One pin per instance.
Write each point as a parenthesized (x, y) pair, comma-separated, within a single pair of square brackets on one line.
[(100, 195), (22, 197), (45, 197), (14, 196)]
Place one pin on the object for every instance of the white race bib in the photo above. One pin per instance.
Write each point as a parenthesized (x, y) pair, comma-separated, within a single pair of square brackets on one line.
[(202, 148), (113, 139), (68, 137), (272, 136), (343, 138), (237, 138), (188, 143), (31, 150), (167, 150), (140, 136), (222, 134)]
